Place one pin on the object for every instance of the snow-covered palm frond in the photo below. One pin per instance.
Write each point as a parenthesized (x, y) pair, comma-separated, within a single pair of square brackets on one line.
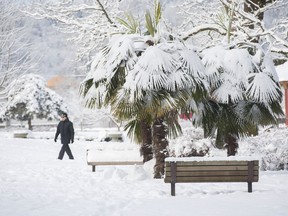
[(213, 62), (263, 89), (94, 96), (265, 64), (150, 103), (120, 53), (204, 111), (228, 91), (238, 62), (235, 61), (230, 81), (178, 80), (269, 68), (191, 63), (108, 71), (189, 73), (258, 113), (152, 69), (123, 110), (97, 71)]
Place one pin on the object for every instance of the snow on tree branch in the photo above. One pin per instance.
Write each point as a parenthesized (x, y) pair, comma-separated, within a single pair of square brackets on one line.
[(29, 98), (15, 49), (201, 28), (88, 25), (246, 26)]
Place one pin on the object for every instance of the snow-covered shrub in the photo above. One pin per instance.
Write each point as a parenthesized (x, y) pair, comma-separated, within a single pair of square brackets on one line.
[(190, 144), (271, 145)]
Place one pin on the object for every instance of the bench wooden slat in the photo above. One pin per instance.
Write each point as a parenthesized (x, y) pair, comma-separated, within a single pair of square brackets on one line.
[(212, 173), (211, 163), (95, 158), (115, 163), (204, 168), (200, 179)]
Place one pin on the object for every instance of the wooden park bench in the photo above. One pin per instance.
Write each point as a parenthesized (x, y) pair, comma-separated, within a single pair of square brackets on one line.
[(113, 137), (20, 134), (196, 170), (96, 157)]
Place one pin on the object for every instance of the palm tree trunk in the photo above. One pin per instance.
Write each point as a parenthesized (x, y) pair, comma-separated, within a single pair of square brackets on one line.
[(146, 146), (30, 124), (219, 139), (231, 145), (160, 144)]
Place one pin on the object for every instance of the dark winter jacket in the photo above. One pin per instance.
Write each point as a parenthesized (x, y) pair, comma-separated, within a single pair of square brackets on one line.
[(65, 128)]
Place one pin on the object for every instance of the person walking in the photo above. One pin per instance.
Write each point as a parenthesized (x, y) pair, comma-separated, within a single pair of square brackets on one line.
[(65, 128)]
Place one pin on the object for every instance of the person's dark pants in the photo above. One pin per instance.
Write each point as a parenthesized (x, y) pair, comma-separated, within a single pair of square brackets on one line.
[(65, 148)]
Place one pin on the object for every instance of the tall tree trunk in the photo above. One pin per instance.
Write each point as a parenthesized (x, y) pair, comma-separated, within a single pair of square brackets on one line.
[(8, 123), (30, 124), (146, 145), (160, 144), (231, 145), (219, 139)]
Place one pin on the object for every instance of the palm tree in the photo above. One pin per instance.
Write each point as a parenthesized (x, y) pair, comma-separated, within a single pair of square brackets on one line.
[(164, 78), (244, 93), (145, 79), (105, 82)]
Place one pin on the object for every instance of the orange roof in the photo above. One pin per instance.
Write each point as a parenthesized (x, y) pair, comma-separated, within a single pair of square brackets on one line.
[(55, 81)]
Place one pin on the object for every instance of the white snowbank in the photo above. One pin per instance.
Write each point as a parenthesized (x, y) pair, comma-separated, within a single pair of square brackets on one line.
[(34, 183)]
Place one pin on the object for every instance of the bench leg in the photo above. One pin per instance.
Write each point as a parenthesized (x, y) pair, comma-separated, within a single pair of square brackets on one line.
[(250, 175), (173, 189), (93, 168), (173, 178), (249, 187)]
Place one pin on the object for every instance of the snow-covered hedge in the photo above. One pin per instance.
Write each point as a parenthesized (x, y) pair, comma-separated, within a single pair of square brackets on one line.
[(191, 143), (271, 146)]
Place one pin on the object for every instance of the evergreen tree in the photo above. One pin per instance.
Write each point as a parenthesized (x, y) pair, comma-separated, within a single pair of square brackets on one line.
[(29, 98)]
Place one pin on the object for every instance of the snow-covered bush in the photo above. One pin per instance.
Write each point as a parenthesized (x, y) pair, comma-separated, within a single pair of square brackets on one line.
[(190, 144), (270, 146)]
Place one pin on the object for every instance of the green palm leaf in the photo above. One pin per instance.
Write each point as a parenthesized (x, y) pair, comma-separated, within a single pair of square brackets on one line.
[(130, 23), (157, 12), (149, 24)]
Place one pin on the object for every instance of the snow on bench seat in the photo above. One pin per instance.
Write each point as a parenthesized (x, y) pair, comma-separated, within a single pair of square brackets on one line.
[(113, 154), (20, 134)]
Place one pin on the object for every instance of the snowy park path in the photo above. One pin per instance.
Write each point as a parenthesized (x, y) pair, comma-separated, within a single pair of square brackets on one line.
[(34, 183)]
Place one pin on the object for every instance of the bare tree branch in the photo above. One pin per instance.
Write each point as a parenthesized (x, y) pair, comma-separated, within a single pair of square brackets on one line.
[(105, 12), (202, 28)]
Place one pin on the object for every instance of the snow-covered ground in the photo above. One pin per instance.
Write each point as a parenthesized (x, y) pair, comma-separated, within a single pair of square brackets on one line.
[(34, 183)]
